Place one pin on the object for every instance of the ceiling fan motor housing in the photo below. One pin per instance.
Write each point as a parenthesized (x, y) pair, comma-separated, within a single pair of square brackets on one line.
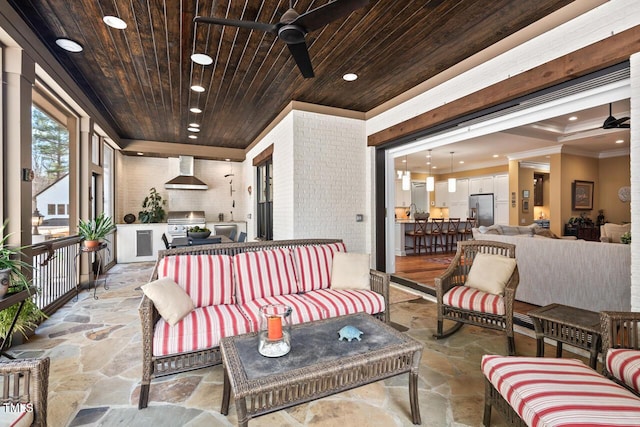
[(291, 34)]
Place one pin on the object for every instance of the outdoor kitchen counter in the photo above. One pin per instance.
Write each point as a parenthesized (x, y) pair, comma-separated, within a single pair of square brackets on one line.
[(141, 242)]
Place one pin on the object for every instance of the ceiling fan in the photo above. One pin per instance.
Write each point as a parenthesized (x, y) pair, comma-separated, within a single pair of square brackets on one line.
[(293, 27), (613, 123)]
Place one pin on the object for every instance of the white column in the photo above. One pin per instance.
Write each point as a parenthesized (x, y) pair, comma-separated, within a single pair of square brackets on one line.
[(635, 182)]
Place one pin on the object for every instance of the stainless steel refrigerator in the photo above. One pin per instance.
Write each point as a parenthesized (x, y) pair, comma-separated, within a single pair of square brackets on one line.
[(481, 207)]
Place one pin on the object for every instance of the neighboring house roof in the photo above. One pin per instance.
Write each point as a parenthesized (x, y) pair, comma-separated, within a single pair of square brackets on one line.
[(52, 184)]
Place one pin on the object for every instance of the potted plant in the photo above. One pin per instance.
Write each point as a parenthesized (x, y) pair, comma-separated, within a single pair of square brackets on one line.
[(14, 279), (93, 230), (152, 207)]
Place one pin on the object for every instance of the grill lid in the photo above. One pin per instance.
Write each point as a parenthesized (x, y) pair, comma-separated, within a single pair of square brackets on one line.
[(185, 217)]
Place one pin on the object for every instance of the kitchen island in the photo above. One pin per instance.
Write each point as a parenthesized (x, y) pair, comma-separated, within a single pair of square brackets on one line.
[(141, 242), (401, 239)]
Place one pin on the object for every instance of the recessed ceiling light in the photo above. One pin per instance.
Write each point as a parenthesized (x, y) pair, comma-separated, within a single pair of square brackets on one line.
[(350, 77), (227, 160), (619, 141), (462, 162), (434, 167), (140, 154), (496, 156), (573, 118), (202, 59), (404, 160), (428, 156), (197, 88), (69, 45), (195, 110), (194, 125), (193, 136), (428, 163), (115, 22), (193, 129)]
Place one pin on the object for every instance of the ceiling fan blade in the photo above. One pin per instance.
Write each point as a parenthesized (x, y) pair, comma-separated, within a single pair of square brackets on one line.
[(251, 25), (321, 16), (300, 54), (625, 126)]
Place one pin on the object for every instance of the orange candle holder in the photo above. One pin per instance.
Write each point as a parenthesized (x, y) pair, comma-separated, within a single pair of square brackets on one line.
[(274, 338)]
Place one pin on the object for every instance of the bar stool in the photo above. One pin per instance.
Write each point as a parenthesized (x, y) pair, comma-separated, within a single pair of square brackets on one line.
[(435, 234), (419, 235), (451, 233), (466, 233)]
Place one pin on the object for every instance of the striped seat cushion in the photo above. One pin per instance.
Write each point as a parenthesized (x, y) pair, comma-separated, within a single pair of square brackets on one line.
[(313, 265), (302, 310), (263, 274), (624, 364), (339, 302), (207, 279), (560, 392), (201, 329), (473, 299)]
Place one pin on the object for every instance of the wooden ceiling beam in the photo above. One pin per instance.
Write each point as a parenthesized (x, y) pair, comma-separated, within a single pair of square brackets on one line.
[(613, 50), (170, 149)]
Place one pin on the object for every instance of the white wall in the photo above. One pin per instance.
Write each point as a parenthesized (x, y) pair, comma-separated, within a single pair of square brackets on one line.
[(142, 173), (635, 183), (320, 178)]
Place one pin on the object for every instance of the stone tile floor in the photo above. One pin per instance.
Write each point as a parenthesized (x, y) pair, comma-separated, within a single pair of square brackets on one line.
[(95, 353)]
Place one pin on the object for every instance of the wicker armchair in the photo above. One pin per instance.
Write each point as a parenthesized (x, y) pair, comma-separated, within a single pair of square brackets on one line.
[(620, 329), (24, 381), (456, 275)]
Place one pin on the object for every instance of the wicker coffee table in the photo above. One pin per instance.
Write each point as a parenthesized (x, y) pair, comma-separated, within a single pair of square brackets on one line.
[(571, 325), (318, 365)]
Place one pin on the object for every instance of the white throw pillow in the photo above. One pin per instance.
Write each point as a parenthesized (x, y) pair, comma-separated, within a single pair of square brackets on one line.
[(171, 301), (350, 271), (490, 273)]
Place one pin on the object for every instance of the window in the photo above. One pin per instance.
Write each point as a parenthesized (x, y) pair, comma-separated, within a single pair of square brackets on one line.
[(50, 164)]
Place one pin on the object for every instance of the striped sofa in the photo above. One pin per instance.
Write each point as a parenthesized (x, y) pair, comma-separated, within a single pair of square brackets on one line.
[(565, 392), (229, 283)]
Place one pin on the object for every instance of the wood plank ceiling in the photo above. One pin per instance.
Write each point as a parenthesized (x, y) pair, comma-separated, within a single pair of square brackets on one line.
[(139, 78)]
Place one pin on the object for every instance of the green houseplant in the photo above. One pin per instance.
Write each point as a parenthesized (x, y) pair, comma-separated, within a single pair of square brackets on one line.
[(152, 207), (94, 230), (12, 274)]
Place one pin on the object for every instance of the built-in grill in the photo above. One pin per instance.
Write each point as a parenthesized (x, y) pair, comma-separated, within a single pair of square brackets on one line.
[(180, 221)]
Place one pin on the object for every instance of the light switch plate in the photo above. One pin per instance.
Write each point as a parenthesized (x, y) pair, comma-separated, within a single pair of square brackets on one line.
[(359, 217)]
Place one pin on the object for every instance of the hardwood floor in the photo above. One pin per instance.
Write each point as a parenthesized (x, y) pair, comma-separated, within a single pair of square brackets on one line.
[(419, 271)]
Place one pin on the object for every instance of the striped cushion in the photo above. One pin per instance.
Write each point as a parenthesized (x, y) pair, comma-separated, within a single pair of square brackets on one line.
[(263, 274), (202, 328), (313, 265), (338, 302), (17, 416), (302, 309), (624, 364), (207, 279), (472, 299), (560, 392)]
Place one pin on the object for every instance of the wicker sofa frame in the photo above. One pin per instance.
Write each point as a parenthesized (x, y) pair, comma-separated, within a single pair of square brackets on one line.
[(159, 366), (456, 275), (26, 381)]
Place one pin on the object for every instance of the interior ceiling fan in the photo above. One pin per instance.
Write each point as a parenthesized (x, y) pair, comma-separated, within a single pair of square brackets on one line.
[(293, 27), (613, 123)]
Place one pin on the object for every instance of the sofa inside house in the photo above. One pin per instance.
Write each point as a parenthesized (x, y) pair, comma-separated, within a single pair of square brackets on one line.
[(199, 295), (591, 275)]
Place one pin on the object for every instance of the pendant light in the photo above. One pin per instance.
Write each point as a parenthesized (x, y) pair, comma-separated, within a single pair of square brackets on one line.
[(452, 181), (431, 182), (406, 178)]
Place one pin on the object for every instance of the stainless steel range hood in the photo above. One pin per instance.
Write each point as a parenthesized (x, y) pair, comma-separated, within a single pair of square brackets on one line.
[(186, 180)]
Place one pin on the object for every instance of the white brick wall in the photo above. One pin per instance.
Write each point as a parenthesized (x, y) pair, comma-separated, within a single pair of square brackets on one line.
[(142, 173)]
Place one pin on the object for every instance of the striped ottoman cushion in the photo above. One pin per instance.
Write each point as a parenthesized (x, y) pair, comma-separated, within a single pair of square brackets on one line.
[(208, 279), (472, 299), (201, 329), (263, 274), (302, 310), (339, 302), (313, 265), (560, 392), (624, 364)]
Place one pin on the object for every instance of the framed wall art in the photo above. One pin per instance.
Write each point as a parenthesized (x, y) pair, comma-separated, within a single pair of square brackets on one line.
[(582, 195)]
